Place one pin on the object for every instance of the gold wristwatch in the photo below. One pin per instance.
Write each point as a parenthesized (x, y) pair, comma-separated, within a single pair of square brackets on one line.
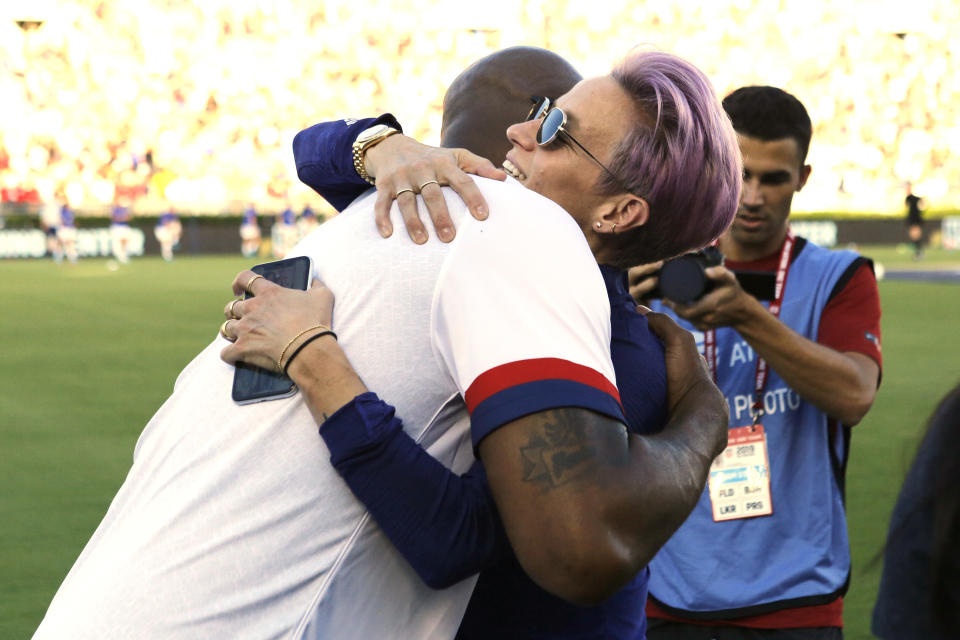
[(364, 142)]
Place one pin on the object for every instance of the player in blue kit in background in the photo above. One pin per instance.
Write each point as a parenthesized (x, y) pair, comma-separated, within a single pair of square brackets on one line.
[(285, 232), (67, 233), (168, 232), (451, 529), (249, 233), (120, 231)]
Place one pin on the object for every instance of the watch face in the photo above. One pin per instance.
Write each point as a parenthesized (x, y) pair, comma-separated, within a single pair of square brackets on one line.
[(372, 132)]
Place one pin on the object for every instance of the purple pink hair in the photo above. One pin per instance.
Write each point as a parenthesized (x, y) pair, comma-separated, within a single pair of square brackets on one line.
[(682, 157)]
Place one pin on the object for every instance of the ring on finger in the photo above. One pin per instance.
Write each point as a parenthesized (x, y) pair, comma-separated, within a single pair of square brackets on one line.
[(397, 194), (247, 286), (233, 313), (436, 182), (223, 331)]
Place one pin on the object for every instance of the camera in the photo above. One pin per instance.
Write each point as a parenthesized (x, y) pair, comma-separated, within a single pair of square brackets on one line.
[(682, 279)]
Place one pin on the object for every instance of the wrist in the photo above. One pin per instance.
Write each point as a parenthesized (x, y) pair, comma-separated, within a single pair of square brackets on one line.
[(750, 316), (365, 142), (324, 375), (376, 153)]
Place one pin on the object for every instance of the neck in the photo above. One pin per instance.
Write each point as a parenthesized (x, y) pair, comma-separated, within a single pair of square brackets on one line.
[(737, 251)]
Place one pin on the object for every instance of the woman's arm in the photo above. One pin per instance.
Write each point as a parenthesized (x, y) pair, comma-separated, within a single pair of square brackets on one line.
[(324, 157), (445, 525)]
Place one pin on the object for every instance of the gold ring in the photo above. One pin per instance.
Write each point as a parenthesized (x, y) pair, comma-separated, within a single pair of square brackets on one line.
[(397, 194), (436, 182), (233, 314), (223, 331), (246, 287)]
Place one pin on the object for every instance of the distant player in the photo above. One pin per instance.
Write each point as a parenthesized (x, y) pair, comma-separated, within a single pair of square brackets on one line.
[(50, 223), (168, 232), (249, 233), (307, 222), (914, 205), (67, 233), (120, 232), (285, 233)]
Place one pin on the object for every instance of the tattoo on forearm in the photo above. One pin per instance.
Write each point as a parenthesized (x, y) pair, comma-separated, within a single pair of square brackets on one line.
[(558, 453)]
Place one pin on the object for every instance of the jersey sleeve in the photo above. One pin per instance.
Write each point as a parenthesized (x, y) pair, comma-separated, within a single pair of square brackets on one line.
[(851, 319), (521, 318), (323, 155), (445, 525)]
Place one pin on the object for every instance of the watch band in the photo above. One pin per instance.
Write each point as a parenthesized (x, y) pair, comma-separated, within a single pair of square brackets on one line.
[(364, 142)]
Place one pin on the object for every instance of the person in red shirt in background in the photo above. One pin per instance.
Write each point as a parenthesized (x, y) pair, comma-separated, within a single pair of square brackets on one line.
[(765, 552)]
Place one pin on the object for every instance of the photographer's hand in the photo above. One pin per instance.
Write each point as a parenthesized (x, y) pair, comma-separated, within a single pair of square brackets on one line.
[(841, 384), (728, 305), (643, 279)]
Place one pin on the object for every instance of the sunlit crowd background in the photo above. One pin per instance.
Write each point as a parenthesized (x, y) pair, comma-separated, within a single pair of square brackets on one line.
[(159, 103)]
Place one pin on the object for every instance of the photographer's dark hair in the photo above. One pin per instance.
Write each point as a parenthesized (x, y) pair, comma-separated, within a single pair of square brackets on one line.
[(768, 113)]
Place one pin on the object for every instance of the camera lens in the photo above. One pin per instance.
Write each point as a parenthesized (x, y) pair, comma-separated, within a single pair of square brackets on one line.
[(683, 280)]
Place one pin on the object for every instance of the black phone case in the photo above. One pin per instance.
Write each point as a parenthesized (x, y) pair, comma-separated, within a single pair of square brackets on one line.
[(251, 383)]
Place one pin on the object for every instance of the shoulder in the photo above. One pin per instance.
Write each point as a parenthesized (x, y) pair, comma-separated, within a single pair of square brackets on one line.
[(826, 258), (510, 195), (519, 218)]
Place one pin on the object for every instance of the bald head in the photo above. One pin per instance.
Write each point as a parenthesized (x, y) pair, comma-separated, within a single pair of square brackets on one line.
[(494, 92)]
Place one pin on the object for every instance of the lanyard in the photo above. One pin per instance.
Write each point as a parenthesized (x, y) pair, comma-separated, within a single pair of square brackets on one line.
[(710, 336)]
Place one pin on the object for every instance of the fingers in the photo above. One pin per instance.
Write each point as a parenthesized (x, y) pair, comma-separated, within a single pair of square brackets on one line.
[(381, 210), (233, 310), (413, 169), (643, 279), (469, 192), (721, 275), (642, 271), (478, 165), (666, 329), (432, 196), (407, 203), (249, 282), (225, 332), (488, 170)]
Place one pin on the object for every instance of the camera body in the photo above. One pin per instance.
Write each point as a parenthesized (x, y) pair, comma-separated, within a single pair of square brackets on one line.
[(682, 279)]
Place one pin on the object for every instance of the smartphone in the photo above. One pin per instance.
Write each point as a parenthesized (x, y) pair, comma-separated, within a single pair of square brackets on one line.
[(251, 383)]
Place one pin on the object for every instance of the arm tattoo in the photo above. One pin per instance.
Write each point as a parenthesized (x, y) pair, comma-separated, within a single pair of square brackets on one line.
[(558, 452)]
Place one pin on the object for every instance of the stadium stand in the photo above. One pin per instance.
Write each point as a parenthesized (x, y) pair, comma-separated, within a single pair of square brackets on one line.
[(194, 104)]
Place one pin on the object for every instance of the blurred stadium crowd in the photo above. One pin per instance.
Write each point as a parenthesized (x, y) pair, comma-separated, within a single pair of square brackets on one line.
[(160, 103)]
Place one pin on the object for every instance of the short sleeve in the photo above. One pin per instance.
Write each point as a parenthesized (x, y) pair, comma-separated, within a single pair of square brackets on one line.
[(851, 319), (521, 319)]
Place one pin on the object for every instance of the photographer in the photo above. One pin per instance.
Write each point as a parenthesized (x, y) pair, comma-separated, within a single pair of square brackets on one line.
[(765, 552)]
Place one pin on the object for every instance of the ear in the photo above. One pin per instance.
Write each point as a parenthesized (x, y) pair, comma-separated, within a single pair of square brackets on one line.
[(804, 174), (627, 211)]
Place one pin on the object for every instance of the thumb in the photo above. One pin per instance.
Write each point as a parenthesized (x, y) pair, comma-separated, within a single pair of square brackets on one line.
[(478, 165)]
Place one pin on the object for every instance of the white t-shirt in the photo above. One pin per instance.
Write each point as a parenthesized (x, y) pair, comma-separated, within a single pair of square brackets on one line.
[(232, 523)]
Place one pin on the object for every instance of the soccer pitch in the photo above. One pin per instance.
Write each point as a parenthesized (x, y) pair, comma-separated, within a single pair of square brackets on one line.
[(90, 353)]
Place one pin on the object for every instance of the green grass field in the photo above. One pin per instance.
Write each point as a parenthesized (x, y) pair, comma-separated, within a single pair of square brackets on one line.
[(89, 354)]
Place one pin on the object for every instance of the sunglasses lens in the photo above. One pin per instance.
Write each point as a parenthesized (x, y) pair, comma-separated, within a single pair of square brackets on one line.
[(550, 126), (540, 105)]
